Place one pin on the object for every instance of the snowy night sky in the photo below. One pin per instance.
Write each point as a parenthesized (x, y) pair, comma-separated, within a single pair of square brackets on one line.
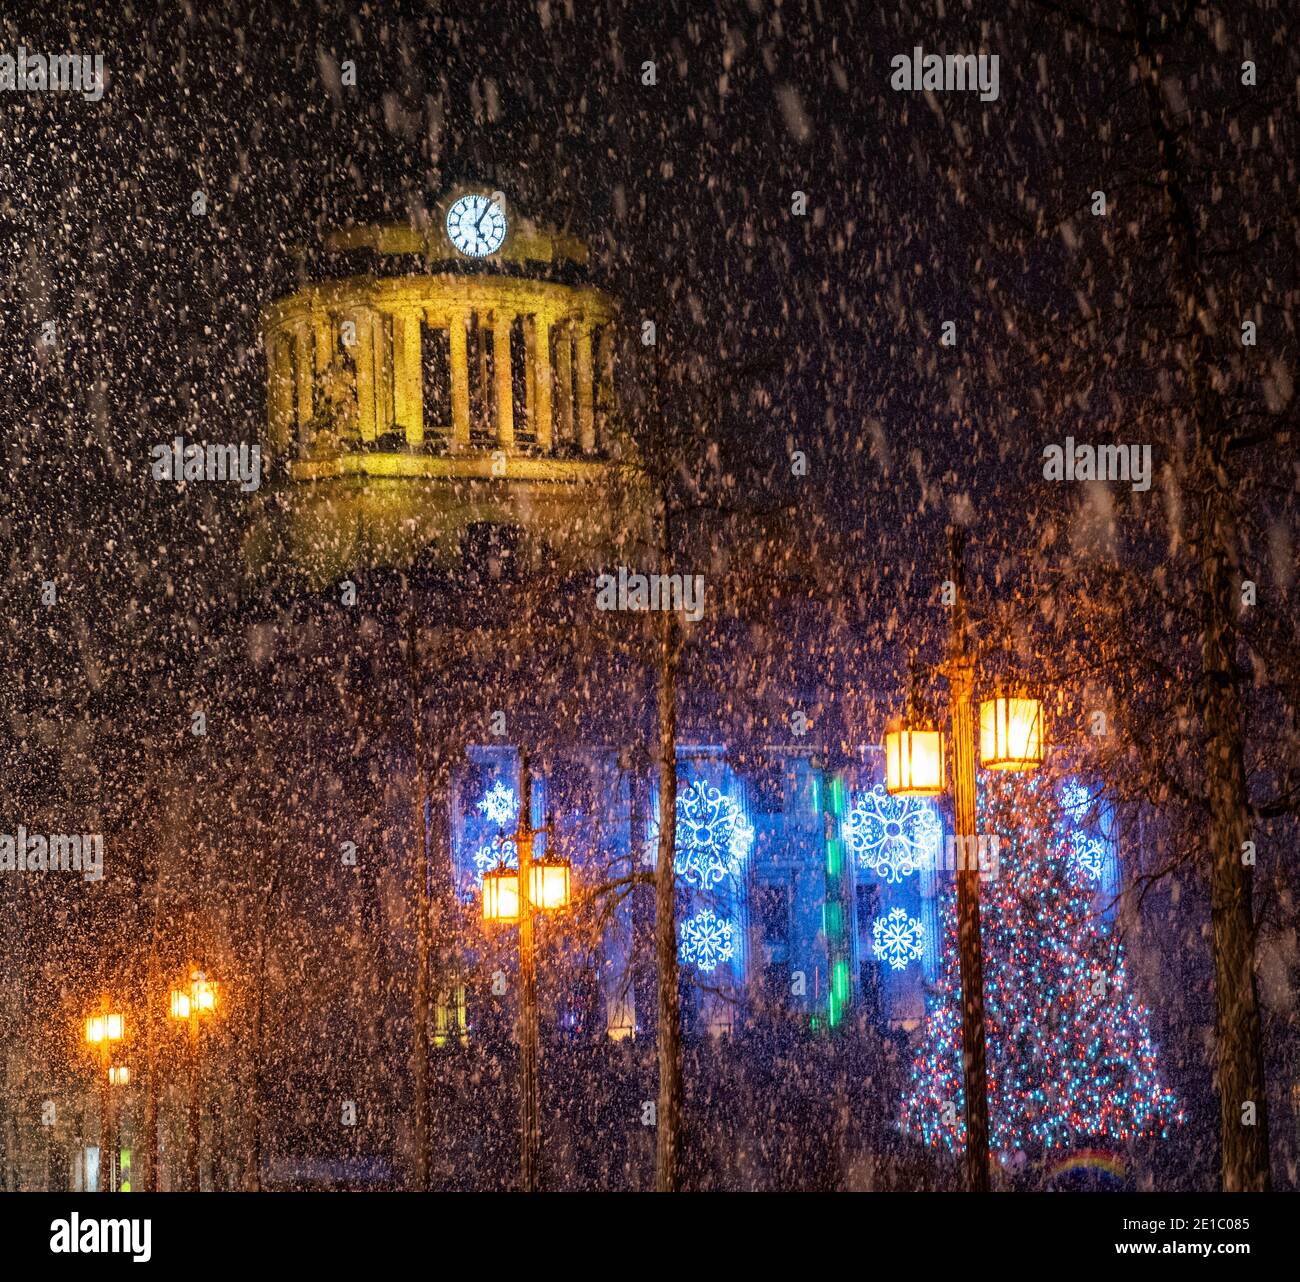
[(877, 310)]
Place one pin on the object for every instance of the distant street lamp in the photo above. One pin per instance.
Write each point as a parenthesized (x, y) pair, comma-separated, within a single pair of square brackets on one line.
[(510, 895), (103, 1029), (192, 1003), (1011, 737)]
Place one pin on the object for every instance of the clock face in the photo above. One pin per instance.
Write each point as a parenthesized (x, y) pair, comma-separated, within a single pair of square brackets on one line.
[(476, 226)]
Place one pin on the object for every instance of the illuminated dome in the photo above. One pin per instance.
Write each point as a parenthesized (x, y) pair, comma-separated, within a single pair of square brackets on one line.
[(422, 386)]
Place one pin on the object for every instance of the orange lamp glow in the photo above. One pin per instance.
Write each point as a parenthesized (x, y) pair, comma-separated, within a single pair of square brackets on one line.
[(105, 1028), (203, 993), (501, 894), (1012, 735), (178, 1004), (548, 883), (119, 1075), (915, 762)]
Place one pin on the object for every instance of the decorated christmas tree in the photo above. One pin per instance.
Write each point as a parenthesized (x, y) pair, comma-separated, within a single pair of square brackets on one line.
[(1070, 1058)]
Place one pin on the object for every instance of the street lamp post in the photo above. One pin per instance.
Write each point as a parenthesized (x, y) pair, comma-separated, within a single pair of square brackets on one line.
[(970, 953), (1011, 738), (193, 1004), (530, 1123), (102, 1030), (514, 894), (119, 1075)]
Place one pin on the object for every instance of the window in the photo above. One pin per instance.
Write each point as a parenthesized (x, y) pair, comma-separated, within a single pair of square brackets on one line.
[(774, 914), (868, 907)]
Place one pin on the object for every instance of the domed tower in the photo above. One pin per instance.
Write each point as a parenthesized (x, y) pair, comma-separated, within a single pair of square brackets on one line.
[(428, 382)]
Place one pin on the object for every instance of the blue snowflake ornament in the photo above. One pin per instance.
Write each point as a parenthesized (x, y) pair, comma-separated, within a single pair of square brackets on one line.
[(891, 836), (897, 939), (714, 837), (499, 804), (1075, 800), (706, 941), (1087, 855), (488, 856)]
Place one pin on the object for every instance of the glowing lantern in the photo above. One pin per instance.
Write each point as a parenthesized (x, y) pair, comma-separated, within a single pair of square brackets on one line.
[(179, 1004), (1011, 732), (915, 762), (548, 883), (203, 993), (105, 1028), (501, 894), (119, 1075)]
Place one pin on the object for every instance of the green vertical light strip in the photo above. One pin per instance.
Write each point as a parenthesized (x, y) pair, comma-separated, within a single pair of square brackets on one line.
[(839, 991)]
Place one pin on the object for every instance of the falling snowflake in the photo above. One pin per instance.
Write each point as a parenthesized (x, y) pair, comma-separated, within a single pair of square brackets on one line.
[(713, 836), (707, 941), (1087, 854), (499, 804), (892, 836), (897, 939)]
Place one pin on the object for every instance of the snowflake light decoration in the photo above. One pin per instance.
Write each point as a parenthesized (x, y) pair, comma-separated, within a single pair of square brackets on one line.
[(897, 939), (713, 836), (494, 853), (707, 941), (891, 836), (499, 804), (1087, 854), (1076, 800)]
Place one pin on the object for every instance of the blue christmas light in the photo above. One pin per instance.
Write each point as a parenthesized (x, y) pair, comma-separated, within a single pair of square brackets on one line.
[(891, 836), (897, 939), (706, 941)]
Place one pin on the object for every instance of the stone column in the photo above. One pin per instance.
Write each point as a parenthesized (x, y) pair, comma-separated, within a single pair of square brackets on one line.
[(564, 379), (586, 417), (408, 377), (486, 399), (304, 372), (322, 348), (538, 333), (501, 324), (459, 382), (364, 354)]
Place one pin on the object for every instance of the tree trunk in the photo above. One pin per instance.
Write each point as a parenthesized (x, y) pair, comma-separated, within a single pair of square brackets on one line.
[(154, 998), (668, 1111), (1243, 1111), (420, 873), (253, 1176)]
